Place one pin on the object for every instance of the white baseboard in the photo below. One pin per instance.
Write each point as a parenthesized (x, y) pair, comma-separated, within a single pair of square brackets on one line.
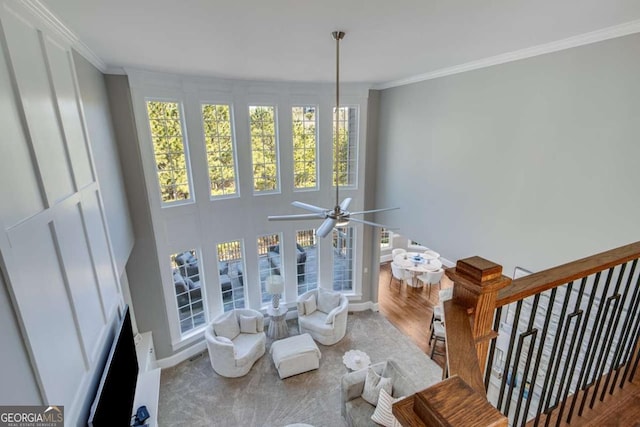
[(447, 263), (386, 258), (183, 355)]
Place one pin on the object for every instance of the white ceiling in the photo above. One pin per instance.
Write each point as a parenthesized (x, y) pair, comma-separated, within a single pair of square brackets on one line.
[(289, 40)]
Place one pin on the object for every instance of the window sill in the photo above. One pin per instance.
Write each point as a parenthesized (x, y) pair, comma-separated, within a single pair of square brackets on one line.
[(189, 338)]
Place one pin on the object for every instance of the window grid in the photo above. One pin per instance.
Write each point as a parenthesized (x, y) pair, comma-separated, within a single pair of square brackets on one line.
[(264, 148), (165, 125), (188, 290), (343, 240), (307, 260), (219, 143), (385, 238), (347, 143), (304, 125), (270, 262), (231, 274)]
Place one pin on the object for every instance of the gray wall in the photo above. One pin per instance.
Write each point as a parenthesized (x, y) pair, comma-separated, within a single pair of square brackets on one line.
[(371, 259), (530, 163), (105, 154), (143, 270)]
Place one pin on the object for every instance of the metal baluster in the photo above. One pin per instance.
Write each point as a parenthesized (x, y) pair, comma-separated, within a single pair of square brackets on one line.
[(563, 396), (507, 362), (636, 332), (556, 357), (582, 324), (604, 350), (594, 290), (627, 326), (586, 385), (543, 337), (533, 333), (541, 406), (492, 349)]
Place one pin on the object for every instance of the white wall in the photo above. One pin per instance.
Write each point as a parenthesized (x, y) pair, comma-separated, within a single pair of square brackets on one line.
[(531, 163), (101, 136), (59, 273)]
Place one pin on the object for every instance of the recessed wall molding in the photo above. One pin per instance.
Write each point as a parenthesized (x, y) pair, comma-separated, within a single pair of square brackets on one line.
[(568, 43)]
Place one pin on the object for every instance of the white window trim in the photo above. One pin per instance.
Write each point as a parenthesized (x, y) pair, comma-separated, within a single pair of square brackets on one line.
[(317, 187), (185, 145), (234, 142), (276, 128), (356, 171)]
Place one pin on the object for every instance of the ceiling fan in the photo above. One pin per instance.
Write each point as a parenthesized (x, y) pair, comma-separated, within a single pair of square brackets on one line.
[(339, 216)]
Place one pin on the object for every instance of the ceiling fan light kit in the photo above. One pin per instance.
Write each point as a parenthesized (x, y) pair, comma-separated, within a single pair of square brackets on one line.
[(339, 216)]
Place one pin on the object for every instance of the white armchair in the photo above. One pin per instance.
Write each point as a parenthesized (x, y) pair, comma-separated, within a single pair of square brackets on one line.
[(323, 315), (236, 340)]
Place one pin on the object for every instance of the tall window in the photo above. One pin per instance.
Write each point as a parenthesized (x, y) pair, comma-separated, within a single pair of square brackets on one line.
[(165, 123), (231, 274), (270, 261), (188, 289), (346, 143), (264, 148), (385, 238), (305, 121), (218, 138), (343, 258), (306, 260)]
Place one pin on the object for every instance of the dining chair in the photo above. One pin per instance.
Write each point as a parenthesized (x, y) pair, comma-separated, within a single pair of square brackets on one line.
[(432, 253), (397, 251), (398, 273), (437, 334), (437, 315), (431, 278)]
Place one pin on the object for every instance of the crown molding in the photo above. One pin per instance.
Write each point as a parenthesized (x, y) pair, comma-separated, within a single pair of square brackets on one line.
[(568, 43), (38, 10)]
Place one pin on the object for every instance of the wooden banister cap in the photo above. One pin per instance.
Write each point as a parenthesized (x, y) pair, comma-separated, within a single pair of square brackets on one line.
[(478, 269), (451, 402)]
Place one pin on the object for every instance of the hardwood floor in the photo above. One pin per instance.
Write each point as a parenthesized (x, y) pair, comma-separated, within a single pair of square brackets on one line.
[(410, 309)]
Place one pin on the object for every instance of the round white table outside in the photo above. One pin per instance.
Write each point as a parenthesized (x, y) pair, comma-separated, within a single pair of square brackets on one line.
[(356, 359)]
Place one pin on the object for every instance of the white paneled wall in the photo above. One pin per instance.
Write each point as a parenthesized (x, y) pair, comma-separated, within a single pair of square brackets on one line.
[(55, 249)]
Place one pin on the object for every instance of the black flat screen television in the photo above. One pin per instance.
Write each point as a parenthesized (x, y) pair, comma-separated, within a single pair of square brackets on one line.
[(113, 404)]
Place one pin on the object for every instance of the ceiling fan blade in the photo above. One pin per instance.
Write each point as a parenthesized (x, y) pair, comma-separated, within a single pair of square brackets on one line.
[(326, 227), (362, 221), (345, 203), (309, 207), (295, 217), (372, 211)]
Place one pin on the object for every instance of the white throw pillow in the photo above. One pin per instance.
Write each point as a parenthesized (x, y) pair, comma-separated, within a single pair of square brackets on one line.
[(227, 326), (225, 340), (310, 305), (327, 300), (383, 414), (373, 383), (248, 324)]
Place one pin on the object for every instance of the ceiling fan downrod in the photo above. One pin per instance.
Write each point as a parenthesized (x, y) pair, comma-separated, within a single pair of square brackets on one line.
[(337, 36)]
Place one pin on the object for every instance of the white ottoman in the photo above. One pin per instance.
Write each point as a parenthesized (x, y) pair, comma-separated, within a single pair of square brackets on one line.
[(295, 355)]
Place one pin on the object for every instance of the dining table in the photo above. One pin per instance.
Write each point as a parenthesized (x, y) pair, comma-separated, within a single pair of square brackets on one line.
[(418, 263)]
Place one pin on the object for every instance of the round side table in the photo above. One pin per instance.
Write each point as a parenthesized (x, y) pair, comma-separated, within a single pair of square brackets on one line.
[(277, 323), (356, 359)]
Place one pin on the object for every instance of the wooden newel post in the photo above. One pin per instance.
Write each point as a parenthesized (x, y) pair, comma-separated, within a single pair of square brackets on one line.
[(476, 285)]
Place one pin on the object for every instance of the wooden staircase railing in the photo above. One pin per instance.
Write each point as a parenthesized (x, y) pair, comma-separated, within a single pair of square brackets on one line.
[(569, 336)]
